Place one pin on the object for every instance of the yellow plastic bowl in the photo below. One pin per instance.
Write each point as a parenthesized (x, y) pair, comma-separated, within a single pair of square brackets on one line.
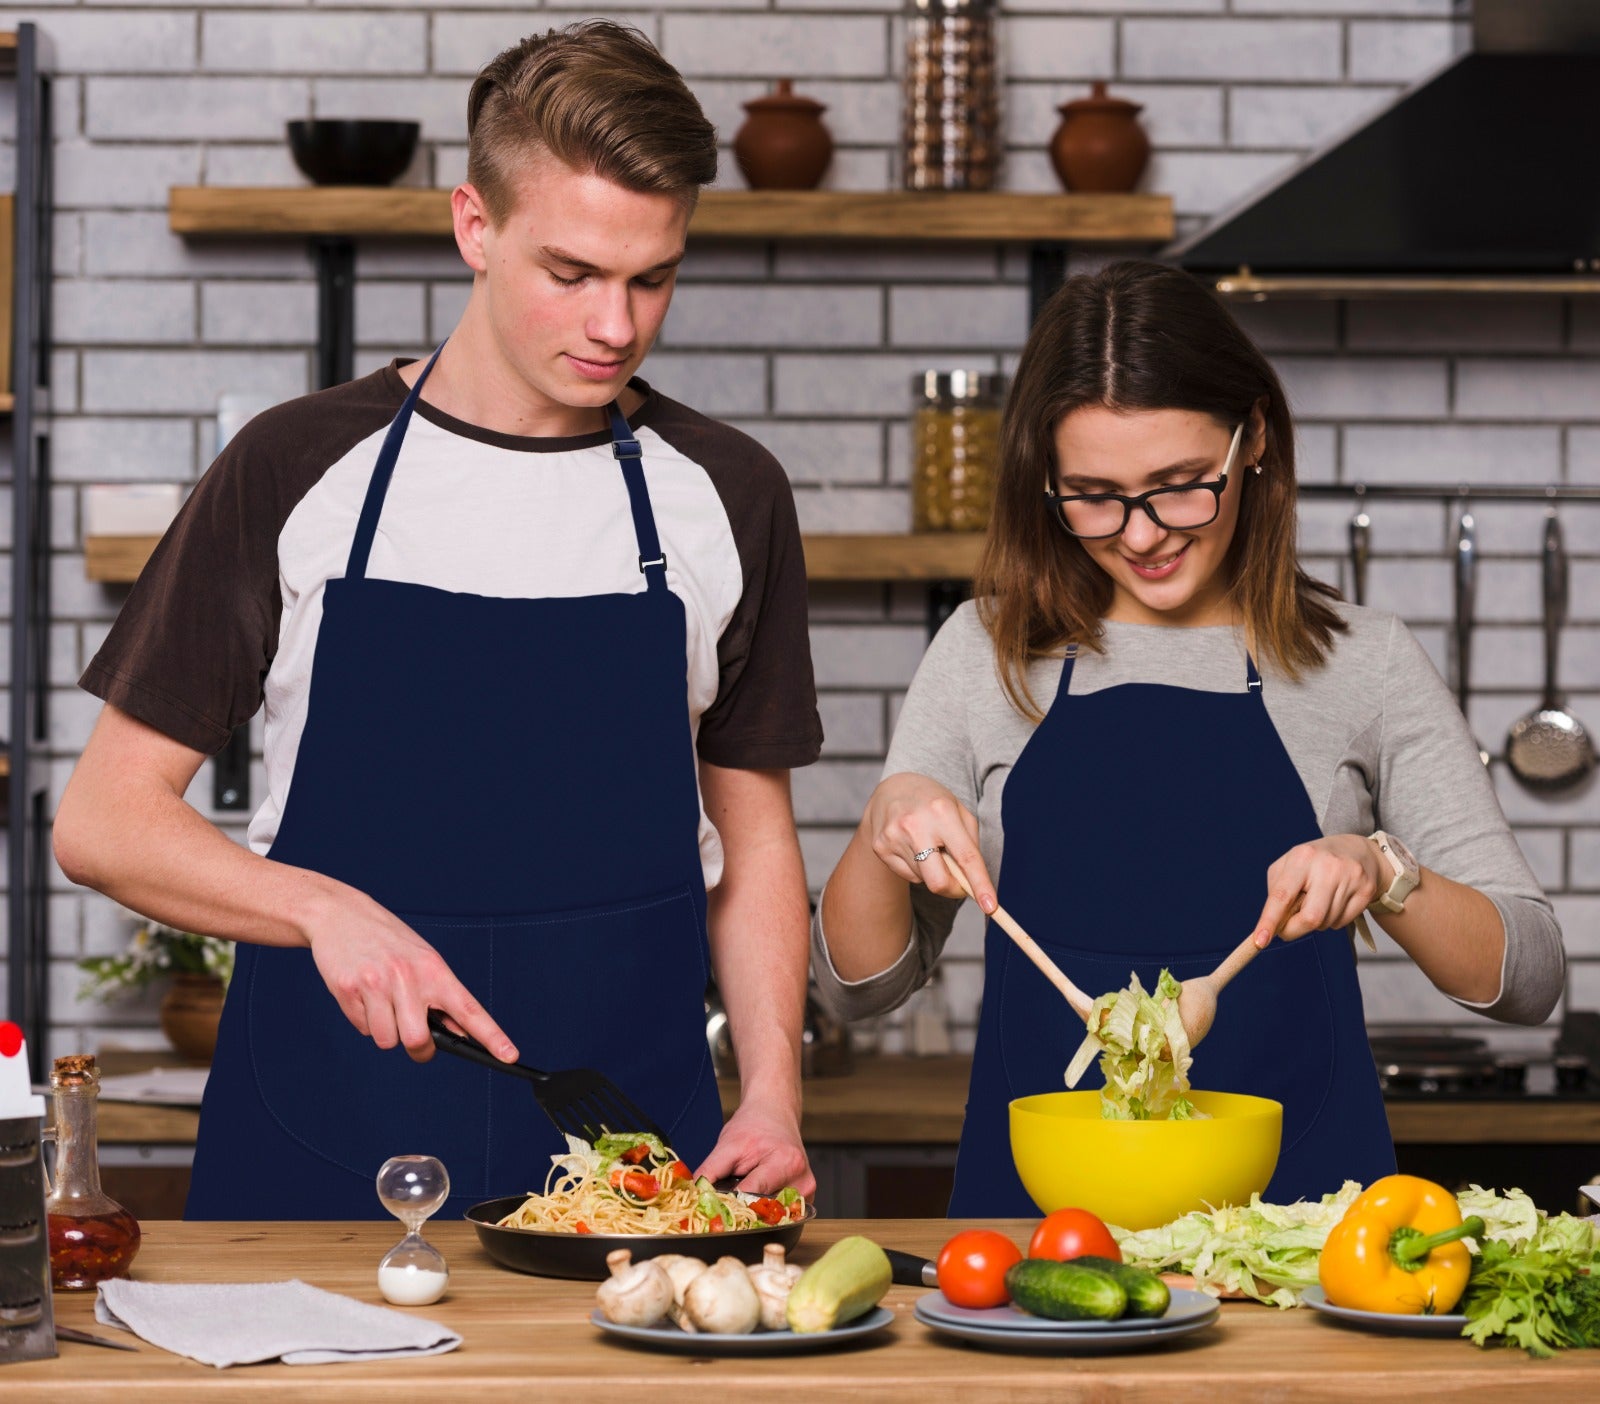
[(1140, 1174)]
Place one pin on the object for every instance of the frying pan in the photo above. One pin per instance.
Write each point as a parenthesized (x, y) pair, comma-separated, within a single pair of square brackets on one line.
[(1549, 749), (547, 1253)]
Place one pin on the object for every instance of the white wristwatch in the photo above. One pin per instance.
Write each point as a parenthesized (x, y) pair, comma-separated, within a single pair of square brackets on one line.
[(1406, 873)]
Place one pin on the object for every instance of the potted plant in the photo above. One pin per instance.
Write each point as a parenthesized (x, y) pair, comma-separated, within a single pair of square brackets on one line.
[(198, 968)]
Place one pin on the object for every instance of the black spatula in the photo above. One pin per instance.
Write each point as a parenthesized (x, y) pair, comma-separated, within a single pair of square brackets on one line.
[(580, 1101)]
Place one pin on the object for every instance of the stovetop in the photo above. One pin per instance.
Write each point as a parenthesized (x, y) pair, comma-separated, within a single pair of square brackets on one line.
[(1416, 1065)]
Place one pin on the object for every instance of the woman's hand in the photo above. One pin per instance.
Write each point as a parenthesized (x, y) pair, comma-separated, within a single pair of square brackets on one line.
[(1320, 886), (910, 814)]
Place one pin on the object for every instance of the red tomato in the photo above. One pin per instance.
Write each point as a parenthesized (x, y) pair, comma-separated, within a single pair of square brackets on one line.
[(972, 1268), (768, 1210), (678, 1171), (1073, 1233)]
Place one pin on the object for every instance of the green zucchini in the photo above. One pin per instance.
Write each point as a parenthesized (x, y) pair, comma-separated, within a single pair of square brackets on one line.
[(1065, 1291), (845, 1282), (1148, 1295)]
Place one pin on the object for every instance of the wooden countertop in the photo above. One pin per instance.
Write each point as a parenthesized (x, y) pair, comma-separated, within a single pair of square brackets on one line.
[(920, 1101), (527, 1337)]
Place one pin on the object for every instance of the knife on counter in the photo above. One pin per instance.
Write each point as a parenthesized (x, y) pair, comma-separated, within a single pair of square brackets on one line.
[(909, 1270)]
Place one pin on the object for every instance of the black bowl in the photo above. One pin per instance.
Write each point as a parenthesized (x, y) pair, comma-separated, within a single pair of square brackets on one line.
[(359, 151)]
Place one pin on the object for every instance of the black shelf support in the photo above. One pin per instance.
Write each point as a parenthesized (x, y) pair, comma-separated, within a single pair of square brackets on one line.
[(335, 261), (27, 866)]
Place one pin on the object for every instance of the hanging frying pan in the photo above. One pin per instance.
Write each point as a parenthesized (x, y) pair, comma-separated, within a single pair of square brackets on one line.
[(1550, 749)]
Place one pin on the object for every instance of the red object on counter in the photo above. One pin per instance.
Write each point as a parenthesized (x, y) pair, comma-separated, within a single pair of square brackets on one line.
[(92, 1237)]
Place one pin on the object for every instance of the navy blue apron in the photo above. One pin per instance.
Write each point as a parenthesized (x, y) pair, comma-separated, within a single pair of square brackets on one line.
[(1140, 821), (515, 779)]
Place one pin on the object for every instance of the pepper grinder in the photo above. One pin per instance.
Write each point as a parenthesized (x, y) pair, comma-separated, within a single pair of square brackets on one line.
[(412, 1187), (27, 1316)]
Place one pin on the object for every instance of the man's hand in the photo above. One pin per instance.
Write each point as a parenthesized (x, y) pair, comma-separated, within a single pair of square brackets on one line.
[(764, 1149), (386, 978)]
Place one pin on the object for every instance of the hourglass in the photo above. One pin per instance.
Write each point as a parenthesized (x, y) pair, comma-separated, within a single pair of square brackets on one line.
[(412, 1187)]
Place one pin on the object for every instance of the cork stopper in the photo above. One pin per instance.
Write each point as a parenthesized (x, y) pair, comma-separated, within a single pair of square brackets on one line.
[(74, 1070)]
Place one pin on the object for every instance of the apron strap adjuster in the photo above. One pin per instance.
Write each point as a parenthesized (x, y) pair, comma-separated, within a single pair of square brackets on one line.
[(660, 560), (626, 448)]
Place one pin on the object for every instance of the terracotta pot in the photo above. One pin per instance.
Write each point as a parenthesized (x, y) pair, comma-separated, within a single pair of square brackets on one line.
[(190, 1012), (783, 144), (1099, 147)]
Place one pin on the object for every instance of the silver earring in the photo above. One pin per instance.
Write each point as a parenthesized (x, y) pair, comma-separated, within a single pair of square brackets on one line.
[(1257, 467)]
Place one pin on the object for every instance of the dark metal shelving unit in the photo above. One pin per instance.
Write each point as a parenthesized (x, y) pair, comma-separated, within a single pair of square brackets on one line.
[(30, 64)]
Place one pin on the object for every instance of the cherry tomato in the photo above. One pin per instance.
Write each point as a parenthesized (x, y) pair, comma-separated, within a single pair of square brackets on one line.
[(1073, 1233), (972, 1268), (768, 1210)]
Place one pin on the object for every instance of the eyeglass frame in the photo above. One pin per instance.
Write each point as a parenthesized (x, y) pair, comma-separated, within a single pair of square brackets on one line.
[(1142, 501)]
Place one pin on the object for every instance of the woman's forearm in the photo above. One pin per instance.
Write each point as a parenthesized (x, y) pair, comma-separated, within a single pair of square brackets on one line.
[(1455, 934), (866, 912)]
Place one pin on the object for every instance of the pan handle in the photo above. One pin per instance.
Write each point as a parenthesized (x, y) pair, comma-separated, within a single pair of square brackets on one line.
[(1360, 553), (1466, 591), (1555, 603)]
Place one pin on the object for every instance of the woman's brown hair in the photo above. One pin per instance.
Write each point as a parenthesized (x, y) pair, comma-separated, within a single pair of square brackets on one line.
[(599, 97), (1139, 336)]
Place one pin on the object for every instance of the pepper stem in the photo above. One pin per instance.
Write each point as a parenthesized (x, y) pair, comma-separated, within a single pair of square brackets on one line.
[(1410, 1248)]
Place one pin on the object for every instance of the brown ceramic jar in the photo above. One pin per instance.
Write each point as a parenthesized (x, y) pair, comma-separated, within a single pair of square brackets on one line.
[(1099, 148), (783, 144)]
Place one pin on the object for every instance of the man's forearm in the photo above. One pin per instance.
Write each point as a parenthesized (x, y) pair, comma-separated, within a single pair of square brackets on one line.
[(760, 955)]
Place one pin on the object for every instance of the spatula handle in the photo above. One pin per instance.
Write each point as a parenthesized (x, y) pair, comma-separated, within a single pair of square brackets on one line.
[(449, 1041), (1028, 946)]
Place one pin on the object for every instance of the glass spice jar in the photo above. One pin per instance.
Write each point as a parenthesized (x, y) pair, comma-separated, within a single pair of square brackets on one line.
[(955, 448), (92, 1237), (952, 136)]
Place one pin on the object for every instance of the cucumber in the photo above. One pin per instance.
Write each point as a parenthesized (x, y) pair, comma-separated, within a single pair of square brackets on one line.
[(1148, 1295), (1065, 1291), (845, 1282)]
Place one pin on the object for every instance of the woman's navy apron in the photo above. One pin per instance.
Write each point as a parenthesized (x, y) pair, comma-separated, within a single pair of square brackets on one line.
[(1140, 821), (515, 779)]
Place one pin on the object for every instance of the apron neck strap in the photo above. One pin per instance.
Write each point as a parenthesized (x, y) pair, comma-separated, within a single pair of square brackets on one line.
[(1252, 676), (630, 458), (378, 483)]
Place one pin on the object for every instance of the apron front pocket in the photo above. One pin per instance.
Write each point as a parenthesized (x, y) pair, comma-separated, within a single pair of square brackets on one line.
[(336, 1092)]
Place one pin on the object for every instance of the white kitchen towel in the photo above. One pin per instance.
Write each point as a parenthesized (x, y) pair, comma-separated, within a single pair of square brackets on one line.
[(233, 1323)]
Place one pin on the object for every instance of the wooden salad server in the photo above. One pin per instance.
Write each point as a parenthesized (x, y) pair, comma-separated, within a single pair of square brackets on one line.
[(1080, 1002), (1197, 999)]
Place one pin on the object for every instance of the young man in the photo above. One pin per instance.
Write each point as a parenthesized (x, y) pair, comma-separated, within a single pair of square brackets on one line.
[(532, 643)]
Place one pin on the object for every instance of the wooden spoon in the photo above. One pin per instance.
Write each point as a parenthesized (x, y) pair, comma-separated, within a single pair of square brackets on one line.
[(1197, 999), (1029, 947)]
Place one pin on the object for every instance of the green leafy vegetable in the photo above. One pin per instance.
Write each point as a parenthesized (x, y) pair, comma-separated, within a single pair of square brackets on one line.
[(1265, 1251), (1542, 1299), (711, 1204), (611, 1149), (1143, 1050)]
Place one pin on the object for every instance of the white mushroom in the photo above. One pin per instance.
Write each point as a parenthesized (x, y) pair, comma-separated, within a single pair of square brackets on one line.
[(636, 1294), (772, 1278), (722, 1300), (683, 1270)]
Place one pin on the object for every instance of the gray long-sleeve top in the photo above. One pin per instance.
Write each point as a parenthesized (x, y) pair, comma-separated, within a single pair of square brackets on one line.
[(1374, 734)]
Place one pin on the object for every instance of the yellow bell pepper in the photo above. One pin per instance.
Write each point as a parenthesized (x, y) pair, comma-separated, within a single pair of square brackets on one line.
[(1398, 1249)]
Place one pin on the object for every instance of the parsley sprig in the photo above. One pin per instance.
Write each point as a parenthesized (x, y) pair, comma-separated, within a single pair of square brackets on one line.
[(1542, 1299)]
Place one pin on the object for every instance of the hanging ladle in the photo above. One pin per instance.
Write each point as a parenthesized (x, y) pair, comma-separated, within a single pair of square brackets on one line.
[(1080, 1002), (1550, 749), (1466, 581), (1360, 549)]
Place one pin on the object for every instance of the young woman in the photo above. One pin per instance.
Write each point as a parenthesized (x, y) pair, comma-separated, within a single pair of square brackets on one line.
[(1177, 738)]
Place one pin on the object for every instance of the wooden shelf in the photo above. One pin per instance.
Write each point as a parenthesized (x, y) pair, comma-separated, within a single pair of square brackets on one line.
[(199, 210), (931, 556), (8, 402)]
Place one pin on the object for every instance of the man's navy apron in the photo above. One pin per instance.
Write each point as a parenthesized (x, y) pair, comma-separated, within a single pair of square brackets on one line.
[(515, 779), (1140, 821)]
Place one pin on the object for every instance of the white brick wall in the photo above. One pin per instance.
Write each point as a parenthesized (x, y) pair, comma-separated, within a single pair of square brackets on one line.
[(810, 347)]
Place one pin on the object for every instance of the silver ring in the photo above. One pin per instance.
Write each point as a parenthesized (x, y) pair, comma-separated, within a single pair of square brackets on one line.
[(926, 854)]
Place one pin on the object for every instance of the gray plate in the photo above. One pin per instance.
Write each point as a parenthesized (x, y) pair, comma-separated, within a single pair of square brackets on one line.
[(1391, 1323), (756, 1343), (1005, 1328)]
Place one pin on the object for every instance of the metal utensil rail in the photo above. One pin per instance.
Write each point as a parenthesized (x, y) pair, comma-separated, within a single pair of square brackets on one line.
[(1453, 492)]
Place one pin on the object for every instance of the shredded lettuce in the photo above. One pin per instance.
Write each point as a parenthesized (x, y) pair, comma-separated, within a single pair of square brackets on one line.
[(611, 1149), (1143, 1050), (1510, 1218), (1265, 1251)]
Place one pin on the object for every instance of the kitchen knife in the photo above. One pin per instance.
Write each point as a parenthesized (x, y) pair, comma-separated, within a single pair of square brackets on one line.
[(72, 1333), (911, 1271)]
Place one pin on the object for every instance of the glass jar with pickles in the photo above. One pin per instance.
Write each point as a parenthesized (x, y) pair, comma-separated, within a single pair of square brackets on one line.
[(955, 448)]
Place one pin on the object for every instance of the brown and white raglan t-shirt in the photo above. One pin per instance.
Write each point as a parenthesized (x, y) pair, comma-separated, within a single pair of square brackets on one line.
[(225, 615)]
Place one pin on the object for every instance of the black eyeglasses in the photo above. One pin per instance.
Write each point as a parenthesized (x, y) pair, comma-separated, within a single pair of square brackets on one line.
[(1093, 516)]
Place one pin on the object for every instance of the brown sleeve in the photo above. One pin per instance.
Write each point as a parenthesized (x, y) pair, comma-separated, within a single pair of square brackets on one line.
[(189, 651), (765, 716)]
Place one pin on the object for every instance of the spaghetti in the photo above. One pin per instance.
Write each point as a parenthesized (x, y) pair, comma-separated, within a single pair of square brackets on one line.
[(633, 1184)]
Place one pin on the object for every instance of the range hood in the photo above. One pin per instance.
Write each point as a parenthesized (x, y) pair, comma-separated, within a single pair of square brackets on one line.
[(1483, 178)]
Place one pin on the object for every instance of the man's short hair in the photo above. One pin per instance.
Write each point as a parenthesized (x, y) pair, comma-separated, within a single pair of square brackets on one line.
[(598, 97)]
